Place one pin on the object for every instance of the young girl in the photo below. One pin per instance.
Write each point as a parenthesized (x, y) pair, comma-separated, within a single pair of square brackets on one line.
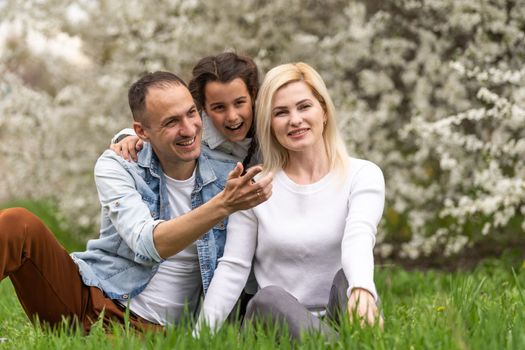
[(320, 222), (224, 88)]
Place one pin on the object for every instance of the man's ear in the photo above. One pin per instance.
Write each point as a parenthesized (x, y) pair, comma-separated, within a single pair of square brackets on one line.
[(141, 132)]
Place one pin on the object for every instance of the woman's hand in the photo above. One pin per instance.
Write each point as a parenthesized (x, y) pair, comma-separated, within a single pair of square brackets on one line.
[(128, 147), (362, 304)]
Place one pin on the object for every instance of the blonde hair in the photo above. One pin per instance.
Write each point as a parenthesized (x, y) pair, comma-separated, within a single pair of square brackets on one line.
[(275, 156)]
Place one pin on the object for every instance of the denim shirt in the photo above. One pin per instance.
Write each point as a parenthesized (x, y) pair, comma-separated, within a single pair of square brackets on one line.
[(134, 201)]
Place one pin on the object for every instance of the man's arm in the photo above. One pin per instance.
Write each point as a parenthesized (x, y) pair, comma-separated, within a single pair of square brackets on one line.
[(240, 193), (152, 240), (125, 208)]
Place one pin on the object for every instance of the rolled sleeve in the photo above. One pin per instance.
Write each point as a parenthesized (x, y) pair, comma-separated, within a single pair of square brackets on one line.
[(125, 207)]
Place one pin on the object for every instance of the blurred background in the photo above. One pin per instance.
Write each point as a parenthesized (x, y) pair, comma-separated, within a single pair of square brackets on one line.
[(432, 91)]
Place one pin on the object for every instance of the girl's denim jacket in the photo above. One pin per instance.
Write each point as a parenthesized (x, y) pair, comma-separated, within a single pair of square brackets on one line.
[(134, 200)]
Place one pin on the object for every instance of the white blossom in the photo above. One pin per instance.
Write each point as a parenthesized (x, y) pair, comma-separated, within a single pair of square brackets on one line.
[(436, 99)]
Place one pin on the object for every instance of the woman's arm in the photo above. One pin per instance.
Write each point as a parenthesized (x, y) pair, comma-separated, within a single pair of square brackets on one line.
[(232, 272), (365, 208)]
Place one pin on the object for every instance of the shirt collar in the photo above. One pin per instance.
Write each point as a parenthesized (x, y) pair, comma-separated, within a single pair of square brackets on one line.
[(146, 158), (212, 137)]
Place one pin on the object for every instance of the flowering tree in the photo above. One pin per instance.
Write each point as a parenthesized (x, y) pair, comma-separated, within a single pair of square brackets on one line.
[(432, 91), (404, 76), (478, 153)]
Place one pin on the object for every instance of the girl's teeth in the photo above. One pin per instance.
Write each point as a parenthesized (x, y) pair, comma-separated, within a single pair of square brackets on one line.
[(234, 127)]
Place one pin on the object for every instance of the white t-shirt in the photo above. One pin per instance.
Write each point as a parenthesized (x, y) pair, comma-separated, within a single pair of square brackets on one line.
[(300, 238), (177, 283)]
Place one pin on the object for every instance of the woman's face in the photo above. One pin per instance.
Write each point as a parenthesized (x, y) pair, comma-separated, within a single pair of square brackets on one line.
[(298, 118), (229, 105)]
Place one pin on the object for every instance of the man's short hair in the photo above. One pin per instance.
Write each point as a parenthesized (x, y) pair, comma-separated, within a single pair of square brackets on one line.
[(138, 91)]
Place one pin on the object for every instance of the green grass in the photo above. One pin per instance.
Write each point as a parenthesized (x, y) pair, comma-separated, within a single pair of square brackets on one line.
[(482, 309), (479, 309), (46, 211)]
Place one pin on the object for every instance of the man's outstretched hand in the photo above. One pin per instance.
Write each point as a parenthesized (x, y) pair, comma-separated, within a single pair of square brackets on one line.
[(243, 192)]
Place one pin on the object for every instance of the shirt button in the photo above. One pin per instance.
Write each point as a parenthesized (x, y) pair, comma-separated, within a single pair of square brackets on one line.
[(125, 296), (117, 204)]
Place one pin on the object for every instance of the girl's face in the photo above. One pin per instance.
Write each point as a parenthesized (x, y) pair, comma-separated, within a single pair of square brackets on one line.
[(230, 108), (298, 118)]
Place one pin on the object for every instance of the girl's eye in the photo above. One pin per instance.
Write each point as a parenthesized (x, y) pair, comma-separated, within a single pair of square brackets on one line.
[(218, 108)]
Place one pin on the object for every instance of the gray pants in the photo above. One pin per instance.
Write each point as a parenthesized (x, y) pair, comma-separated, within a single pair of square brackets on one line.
[(273, 305)]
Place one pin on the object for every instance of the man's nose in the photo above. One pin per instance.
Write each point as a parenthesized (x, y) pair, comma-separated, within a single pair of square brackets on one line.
[(187, 127)]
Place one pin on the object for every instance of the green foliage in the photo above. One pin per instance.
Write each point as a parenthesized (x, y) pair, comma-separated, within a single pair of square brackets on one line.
[(48, 213)]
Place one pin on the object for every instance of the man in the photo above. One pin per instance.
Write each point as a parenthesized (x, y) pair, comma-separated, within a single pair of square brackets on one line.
[(162, 224)]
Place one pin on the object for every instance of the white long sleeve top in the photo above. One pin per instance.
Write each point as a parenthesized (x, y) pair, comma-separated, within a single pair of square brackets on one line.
[(300, 238)]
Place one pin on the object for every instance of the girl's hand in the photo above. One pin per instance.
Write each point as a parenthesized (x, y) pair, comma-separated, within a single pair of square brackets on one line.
[(128, 147), (363, 305)]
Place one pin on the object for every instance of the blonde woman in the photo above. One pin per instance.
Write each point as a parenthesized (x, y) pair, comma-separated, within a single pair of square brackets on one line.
[(311, 243)]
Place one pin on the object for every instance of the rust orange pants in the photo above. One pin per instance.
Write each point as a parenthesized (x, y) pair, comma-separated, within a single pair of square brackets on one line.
[(46, 279)]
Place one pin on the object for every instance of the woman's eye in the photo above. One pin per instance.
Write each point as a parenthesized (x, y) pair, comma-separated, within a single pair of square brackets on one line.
[(303, 107)]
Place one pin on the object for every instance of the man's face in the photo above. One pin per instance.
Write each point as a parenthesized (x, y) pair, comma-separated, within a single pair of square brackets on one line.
[(173, 126)]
